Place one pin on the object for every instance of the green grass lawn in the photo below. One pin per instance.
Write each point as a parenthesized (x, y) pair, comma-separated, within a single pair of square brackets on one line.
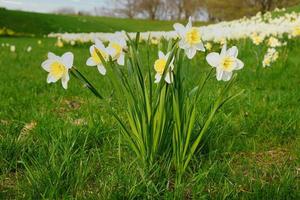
[(40, 24), (58, 144)]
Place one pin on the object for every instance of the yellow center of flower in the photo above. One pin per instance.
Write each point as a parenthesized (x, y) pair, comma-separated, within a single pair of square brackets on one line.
[(227, 63), (193, 36), (296, 31), (160, 65), (117, 48), (57, 70), (96, 58)]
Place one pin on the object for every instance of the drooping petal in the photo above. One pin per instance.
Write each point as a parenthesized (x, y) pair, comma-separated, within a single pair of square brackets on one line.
[(233, 51), (99, 44), (213, 59), (183, 44), (68, 59), (64, 81), (51, 79), (90, 62), (101, 69), (92, 49), (157, 78), (190, 52), (169, 77), (226, 76), (121, 60), (219, 74)]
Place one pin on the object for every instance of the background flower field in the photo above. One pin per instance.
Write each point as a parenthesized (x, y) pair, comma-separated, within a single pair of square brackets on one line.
[(54, 145)]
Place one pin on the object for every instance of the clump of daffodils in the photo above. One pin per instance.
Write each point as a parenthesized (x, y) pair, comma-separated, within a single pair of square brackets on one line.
[(270, 57), (161, 108), (273, 42)]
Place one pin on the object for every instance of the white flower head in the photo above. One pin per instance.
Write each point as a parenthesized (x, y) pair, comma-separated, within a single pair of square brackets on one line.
[(190, 38), (116, 47), (12, 48), (160, 65), (58, 68), (95, 60), (225, 62)]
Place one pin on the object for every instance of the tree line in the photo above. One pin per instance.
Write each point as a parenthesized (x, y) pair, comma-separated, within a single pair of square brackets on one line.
[(213, 10)]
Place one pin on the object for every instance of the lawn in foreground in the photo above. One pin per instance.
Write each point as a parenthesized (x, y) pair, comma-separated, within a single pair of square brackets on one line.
[(63, 144)]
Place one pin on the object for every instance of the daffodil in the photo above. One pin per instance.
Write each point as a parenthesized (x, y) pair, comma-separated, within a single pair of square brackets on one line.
[(296, 31), (160, 65), (274, 42), (271, 56), (225, 62), (58, 68), (95, 60), (116, 47), (257, 39), (12, 48), (190, 38)]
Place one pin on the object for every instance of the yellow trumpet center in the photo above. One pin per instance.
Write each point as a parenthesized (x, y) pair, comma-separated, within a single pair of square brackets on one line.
[(57, 69), (227, 63), (160, 65), (193, 36), (96, 58), (118, 49)]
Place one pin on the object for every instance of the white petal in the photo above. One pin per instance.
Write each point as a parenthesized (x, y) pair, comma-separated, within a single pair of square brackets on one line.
[(190, 52), (219, 74), (180, 29), (65, 80), (68, 59), (111, 51), (224, 50), (51, 79), (239, 64), (190, 24), (182, 44), (90, 62), (52, 56), (161, 54), (169, 77), (121, 60), (213, 59), (233, 51), (226, 76), (200, 47), (46, 65), (157, 78), (101, 69), (99, 44), (92, 49)]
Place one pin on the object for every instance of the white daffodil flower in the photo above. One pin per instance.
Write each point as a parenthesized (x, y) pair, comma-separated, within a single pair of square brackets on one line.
[(160, 65), (116, 47), (225, 62), (95, 60), (58, 68), (190, 38)]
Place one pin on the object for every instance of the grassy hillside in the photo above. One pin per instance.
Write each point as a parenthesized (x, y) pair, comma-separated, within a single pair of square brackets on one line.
[(38, 24)]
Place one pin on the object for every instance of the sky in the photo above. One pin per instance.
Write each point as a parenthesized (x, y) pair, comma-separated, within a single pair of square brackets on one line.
[(45, 6)]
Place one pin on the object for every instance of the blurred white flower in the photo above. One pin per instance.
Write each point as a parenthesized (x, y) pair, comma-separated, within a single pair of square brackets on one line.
[(29, 49), (190, 38), (95, 60), (160, 65), (225, 62), (58, 68), (12, 48), (271, 56)]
